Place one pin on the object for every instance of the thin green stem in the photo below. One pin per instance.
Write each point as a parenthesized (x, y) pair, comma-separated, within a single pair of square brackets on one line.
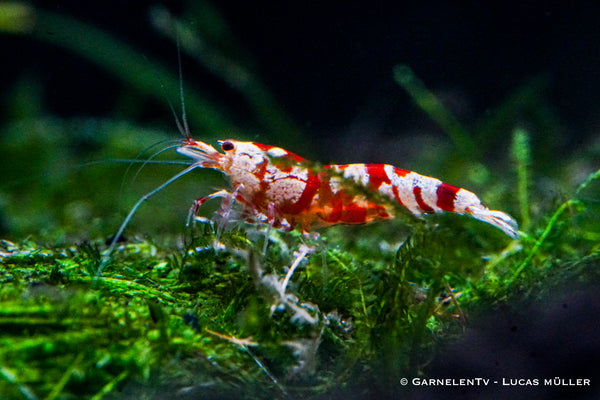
[(561, 209), (522, 156), (428, 102), (126, 64), (58, 388)]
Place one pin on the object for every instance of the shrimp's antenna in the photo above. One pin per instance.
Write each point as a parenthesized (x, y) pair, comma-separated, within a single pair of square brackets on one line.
[(183, 127), (181, 123), (180, 127), (130, 161), (151, 159), (137, 205), (144, 162), (186, 128)]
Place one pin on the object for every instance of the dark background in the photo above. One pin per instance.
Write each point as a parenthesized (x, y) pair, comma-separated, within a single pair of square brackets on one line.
[(330, 65)]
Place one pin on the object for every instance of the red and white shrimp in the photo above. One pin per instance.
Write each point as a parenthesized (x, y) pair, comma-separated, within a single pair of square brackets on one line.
[(280, 188)]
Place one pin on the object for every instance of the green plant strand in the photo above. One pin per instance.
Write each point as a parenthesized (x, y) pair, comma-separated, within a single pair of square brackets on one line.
[(41, 343), (110, 386), (522, 155), (126, 64), (127, 286), (429, 103), (65, 378), (12, 379), (561, 209), (527, 96), (233, 72)]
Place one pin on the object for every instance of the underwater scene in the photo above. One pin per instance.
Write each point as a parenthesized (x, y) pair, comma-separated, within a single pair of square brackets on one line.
[(225, 200)]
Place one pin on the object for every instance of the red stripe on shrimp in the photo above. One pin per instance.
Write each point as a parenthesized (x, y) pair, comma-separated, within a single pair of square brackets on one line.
[(263, 147), (446, 196), (303, 203), (397, 195), (275, 151), (426, 208), (377, 175), (401, 172)]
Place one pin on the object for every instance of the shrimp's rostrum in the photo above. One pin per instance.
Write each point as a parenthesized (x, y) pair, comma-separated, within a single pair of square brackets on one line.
[(278, 187)]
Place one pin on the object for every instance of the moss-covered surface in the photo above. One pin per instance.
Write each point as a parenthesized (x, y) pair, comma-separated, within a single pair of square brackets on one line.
[(358, 315)]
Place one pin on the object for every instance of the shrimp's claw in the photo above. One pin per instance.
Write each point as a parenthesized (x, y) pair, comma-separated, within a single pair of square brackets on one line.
[(497, 218)]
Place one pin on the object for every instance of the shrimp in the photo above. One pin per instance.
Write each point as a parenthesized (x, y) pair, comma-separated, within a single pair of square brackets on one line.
[(280, 188)]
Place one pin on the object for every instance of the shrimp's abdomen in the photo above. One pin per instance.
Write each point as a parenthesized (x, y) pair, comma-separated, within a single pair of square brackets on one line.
[(308, 200)]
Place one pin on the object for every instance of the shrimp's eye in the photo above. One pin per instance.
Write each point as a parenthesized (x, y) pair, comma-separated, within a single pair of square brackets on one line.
[(227, 145)]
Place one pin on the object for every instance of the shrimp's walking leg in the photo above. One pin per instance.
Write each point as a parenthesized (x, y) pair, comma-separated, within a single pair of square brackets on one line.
[(197, 203), (304, 313), (271, 214), (224, 211), (302, 252)]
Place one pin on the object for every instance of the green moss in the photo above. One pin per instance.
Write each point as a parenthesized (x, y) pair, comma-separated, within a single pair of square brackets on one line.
[(164, 318)]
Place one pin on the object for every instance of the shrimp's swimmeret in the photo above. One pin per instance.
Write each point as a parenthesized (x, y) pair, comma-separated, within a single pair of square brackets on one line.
[(278, 187)]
